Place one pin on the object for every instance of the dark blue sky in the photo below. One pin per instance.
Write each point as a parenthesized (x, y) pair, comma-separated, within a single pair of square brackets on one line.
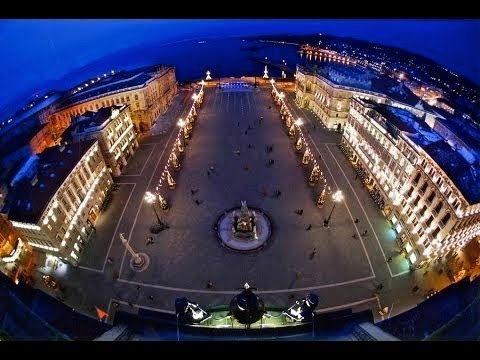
[(34, 51)]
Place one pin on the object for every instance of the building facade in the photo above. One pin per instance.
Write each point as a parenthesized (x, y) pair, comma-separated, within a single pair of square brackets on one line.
[(148, 92), (424, 185), (56, 209), (327, 92), (328, 100), (113, 128)]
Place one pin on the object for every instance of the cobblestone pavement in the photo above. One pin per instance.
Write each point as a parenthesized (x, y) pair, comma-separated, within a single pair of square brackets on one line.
[(225, 163)]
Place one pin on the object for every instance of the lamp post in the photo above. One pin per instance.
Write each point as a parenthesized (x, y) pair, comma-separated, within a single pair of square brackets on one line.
[(337, 197), (140, 260), (181, 123), (150, 198)]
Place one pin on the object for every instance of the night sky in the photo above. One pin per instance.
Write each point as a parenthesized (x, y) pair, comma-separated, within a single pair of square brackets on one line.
[(34, 51)]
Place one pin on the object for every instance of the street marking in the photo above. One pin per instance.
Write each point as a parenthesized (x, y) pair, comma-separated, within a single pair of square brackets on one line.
[(118, 224), (148, 186), (364, 212), (145, 164), (343, 202), (125, 183), (227, 292), (402, 273), (90, 269), (322, 310)]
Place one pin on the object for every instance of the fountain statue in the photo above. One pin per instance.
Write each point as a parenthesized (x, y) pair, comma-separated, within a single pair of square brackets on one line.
[(243, 229), (244, 223)]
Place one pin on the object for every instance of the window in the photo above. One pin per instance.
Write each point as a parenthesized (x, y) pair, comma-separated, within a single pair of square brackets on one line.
[(431, 197), (438, 207), (445, 219), (117, 100), (435, 232), (417, 199), (123, 99), (409, 193), (136, 97), (128, 98), (424, 208), (417, 178), (423, 188), (429, 221)]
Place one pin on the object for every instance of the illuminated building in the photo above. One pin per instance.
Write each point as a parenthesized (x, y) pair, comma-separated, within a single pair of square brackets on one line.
[(423, 176), (113, 128), (327, 91), (148, 91), (57, 196), (445, 105), (16, 256)]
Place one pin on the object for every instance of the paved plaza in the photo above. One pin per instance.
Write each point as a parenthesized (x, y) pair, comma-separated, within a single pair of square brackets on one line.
[(226, 162)]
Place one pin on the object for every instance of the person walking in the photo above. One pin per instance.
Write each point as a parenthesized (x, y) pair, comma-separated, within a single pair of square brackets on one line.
[(356, 221), (209, 284), (309, 227), (389, 259)]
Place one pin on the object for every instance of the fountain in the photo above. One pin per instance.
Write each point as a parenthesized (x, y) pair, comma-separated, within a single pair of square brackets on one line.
[(244, 223), (243, 229)]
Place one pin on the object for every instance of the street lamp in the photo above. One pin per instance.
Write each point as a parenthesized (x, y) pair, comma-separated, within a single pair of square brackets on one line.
[(140, 260), (337, 197), (181, 123), (150, 198)]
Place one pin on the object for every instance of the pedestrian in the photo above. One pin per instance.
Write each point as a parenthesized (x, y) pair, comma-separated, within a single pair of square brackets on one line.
[(365, 233), (208, 172), (209, 284), (356, 221), (389, 259), (354, 236), (197, 202), (238, 124), (309, 227), (380, 286), (278, 193), (130, 304), (150, 297), (115, 304), (109, 260), (246, 132), (249, 146), (192, 192), (138, 287)]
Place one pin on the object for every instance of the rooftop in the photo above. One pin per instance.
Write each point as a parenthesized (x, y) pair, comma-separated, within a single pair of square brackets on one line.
[(27, 201), (94, 119), (118, 81), (369, 80), (452, 160)]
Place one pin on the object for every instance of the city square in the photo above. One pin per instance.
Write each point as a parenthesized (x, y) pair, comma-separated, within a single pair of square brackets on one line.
[(226, 163)]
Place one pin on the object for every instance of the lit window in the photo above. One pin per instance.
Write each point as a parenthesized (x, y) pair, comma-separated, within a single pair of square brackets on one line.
[(398, 228), (413, 258), (394, 219), (408, 247)]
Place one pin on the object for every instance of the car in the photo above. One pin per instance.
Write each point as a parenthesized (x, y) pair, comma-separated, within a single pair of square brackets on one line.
[(50, 282)]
